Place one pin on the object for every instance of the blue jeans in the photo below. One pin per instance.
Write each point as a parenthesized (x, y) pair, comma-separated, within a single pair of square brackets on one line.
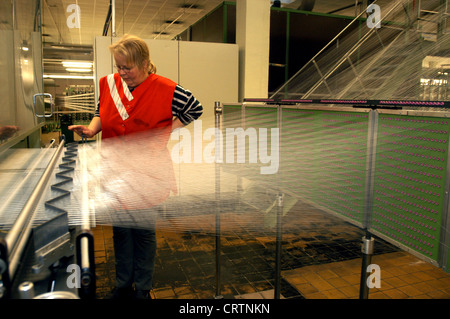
[(135, 251)]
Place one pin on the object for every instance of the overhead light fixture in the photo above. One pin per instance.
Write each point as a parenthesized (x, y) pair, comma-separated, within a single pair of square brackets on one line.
[(78, 70), (70, 77), (77, 64)]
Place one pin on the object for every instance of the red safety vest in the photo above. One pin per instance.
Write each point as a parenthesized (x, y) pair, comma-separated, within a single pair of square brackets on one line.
[(142, 120), (148, 107)]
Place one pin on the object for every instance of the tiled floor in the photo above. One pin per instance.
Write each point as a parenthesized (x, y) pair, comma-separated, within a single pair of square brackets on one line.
[(403, 276), (321, 258)]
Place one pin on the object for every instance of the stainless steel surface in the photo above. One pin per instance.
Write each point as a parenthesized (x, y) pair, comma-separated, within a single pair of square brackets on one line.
[(57, 295), (20, 170), (17, 237), (367, 245), (26, 290), (21, 65)]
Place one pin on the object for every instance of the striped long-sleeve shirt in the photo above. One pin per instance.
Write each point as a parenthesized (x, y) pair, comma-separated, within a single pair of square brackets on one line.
[(184, 106)]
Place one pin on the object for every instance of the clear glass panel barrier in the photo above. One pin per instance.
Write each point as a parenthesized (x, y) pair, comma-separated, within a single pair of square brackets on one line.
[(325, 172)]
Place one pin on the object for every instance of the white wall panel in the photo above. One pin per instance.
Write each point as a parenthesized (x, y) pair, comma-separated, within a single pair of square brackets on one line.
[(210, 72)]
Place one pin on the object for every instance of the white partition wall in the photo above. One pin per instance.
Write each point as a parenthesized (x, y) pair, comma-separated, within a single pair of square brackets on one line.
[(210, 72)]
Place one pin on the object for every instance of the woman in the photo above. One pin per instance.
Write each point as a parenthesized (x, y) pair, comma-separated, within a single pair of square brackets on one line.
[(134, 100)]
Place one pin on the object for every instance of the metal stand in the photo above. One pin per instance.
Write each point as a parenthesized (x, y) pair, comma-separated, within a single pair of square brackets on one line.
[(367, 251), (218, 113), (86, 262), (277, 292)]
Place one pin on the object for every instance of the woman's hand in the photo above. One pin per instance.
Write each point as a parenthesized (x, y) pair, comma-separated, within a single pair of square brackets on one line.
[(82, 130), (89, 131)]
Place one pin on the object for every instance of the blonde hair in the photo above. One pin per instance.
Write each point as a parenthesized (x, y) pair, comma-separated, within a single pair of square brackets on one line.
[(135, 51)]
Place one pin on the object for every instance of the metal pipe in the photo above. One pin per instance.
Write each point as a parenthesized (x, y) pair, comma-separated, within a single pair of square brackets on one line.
[(85, 246), (113, 18), (85, 253), (86, 261), (277, 292), (85, 211), (17, 237), (367, 251), (26, 290), (218, 152), (370, 168)]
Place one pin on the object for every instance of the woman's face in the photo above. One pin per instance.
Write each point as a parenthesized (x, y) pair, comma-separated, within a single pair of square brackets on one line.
[(131, 74)]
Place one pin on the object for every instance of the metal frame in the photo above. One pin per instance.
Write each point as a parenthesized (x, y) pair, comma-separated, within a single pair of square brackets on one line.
[(218, 113), (370, 167), (374, 112), (16, 240)]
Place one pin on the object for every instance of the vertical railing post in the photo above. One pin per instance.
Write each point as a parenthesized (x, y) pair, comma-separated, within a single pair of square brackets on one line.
[(280, 204), (368, 240), (367, 251), (372, 136), (277, 292), (218, 113)]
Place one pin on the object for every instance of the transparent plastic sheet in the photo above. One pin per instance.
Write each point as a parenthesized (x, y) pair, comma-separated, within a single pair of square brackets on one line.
[(406, 199), (411, 177), (322, 176), (322, 161), (384, 171)]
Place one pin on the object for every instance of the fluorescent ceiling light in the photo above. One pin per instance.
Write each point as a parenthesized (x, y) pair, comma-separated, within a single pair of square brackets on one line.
[(76, 64), (78, 70), (64, 76)]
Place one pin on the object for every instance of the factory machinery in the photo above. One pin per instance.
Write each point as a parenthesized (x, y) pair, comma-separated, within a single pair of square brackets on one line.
[(41, 255), (362, 131)]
